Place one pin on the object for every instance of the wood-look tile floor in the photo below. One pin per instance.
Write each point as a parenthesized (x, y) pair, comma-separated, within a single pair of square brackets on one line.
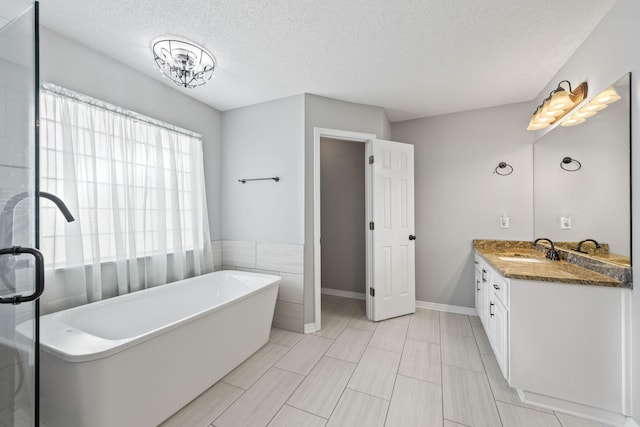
[(426, 369)]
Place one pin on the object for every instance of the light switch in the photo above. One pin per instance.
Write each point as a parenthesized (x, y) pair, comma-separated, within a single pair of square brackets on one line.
[(565, 223), (504, 221)]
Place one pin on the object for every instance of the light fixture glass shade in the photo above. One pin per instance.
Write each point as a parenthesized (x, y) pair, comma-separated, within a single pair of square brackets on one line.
[(572, 121), (550, 113), (185, 63), (560, 101), (607, 96), (536, 125), (593, 106), (543, 119), (585, 114)]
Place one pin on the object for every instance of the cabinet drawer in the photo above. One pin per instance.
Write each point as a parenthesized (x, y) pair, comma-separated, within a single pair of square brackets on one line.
[(500, 287), (477, 264)]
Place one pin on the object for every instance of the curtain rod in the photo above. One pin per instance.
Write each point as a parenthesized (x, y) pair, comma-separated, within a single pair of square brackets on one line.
[(85, 99)]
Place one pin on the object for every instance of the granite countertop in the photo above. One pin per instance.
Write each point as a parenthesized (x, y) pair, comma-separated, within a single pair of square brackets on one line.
[(601, 254), (545, 270)]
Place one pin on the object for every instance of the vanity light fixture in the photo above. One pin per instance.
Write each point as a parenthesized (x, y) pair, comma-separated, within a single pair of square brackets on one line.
[(600, 102), (184, 62), (557, 105)]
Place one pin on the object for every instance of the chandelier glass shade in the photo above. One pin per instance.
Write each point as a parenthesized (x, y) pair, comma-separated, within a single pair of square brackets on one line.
[(185, 63)]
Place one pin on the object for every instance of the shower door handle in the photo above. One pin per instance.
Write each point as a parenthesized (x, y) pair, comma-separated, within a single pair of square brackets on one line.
[(18, 250)]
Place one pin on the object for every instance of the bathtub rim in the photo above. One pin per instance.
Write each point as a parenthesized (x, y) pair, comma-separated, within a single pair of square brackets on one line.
[(107, 347)]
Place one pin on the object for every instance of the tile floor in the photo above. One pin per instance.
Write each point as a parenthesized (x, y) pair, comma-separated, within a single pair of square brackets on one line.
[(426, 369)]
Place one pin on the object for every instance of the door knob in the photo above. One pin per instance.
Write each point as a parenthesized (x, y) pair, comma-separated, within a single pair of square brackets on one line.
[(412, 237)]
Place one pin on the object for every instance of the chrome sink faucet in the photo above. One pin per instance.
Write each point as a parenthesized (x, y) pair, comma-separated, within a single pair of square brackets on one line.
[(580, 243), (552, 253)]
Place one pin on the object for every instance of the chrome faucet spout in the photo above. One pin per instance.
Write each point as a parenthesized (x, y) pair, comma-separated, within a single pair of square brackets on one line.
[(552, 253)]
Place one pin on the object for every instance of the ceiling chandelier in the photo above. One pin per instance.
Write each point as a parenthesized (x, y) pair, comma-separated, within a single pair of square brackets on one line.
[(557, 105), (185, 63)]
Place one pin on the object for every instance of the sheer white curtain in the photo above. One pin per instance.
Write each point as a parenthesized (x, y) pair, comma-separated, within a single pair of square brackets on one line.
[(136, 188)]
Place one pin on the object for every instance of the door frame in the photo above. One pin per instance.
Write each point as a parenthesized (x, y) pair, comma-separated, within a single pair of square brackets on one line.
[(347, 136)]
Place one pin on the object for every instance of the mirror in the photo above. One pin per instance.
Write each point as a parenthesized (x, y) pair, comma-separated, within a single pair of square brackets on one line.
[(594, 201)]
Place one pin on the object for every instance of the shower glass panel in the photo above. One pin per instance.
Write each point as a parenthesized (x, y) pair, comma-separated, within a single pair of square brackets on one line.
[(18, 210)]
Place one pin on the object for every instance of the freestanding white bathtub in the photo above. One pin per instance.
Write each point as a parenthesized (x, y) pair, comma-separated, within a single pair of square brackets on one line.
[(136, 359)]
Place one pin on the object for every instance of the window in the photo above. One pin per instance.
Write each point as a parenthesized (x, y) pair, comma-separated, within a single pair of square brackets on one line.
[(134, 184)]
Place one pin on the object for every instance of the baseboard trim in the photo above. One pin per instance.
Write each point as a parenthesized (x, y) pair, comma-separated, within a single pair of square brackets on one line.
[(577, 409), (469, 311), (457, 309), (344, 294), (310, 328)]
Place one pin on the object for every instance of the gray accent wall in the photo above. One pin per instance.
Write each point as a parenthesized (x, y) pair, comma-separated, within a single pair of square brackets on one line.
[(72, 65), (264, 140), (332, 114), (342, 213), (458, 198)]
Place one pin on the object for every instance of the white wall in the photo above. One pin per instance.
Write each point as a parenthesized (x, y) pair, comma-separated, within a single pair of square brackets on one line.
[(332, 114), (610, 51), (74, 66), (343, 220), (459, 198), (264, 140)]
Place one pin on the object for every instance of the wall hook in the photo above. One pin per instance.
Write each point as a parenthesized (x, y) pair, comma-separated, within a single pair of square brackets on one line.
[(505, 169), (570, 165)]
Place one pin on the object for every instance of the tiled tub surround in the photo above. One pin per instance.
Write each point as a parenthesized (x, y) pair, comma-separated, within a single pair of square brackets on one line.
[(284, 260), (573, 267)]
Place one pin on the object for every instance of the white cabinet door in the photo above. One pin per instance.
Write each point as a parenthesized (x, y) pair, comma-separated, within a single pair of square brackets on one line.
[(493, 312), (394, 229), (485, 284), (500, 336), (477, 281)]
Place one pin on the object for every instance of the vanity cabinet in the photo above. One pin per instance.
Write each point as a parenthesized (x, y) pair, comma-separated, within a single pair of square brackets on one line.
[(561, 345), (492, 304)]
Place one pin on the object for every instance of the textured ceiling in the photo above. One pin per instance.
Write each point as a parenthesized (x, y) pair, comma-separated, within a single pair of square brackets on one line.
[(415, 58)]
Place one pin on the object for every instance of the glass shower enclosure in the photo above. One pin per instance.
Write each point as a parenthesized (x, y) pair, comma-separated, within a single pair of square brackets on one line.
[(21, 267)]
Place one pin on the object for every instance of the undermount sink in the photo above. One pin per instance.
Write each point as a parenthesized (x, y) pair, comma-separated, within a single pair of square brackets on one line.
[(520, 259)]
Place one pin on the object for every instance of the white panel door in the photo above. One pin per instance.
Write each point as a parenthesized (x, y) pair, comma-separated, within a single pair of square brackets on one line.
[(393, 278)]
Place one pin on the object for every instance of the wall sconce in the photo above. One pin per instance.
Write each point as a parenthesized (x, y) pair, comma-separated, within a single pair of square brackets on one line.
[(557, 105), (600, 102)]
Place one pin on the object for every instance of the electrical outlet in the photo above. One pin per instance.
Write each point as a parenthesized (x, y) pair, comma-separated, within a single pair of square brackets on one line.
[(565, 223), (504, 221)]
